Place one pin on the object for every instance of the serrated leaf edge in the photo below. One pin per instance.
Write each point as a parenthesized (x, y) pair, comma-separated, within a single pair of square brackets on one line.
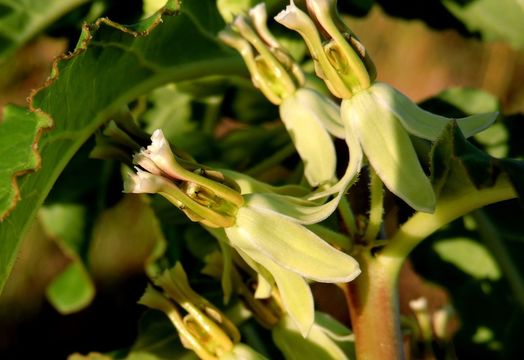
[(37, 158), (88, 30)]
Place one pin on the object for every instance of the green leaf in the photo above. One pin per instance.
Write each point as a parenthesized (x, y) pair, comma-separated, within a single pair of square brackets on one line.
[(111, 66), (171, 112), (469, 256), (493, 19), (21, 20), (452, 157), (73, 289), (19, 134), (470, 100), (515, 170)]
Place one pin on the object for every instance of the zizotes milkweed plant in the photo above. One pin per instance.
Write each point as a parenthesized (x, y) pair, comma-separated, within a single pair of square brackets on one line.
[(273, 233)]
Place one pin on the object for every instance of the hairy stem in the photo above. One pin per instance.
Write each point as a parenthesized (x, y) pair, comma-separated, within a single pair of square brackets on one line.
[(373, 296), (376, 207), (373, 305)]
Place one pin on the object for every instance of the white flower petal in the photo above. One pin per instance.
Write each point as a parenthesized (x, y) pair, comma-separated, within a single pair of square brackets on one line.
[(317, 346), (422, 123), (325, 109), (291, 246), (294, 291), (311, 139), (389, 150), (295, 209)]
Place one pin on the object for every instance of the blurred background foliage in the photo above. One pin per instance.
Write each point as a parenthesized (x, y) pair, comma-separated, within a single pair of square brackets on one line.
[(76, 281)]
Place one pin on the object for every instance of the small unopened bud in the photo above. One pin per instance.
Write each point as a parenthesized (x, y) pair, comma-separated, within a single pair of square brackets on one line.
[(272, 69)]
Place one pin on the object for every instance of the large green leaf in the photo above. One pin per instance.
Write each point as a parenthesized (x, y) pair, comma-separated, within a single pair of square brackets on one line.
[(111, 66), (493, 19), (21, 20), (19, 134)]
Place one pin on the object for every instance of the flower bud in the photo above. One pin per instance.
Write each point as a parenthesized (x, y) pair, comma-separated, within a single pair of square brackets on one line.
[(340, 59), (204, 329), (272, 69)]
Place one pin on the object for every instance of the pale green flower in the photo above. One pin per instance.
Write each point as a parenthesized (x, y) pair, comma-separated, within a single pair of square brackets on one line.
[(306, 114), (266, 228), (382, 119), (377, 118), (277, 244), (201, 327)]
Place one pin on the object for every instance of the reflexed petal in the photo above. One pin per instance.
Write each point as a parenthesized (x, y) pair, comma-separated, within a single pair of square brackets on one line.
[(264, 278), (292, 208), (422, 123), (317, 346), (351, 175), (249, 185), (311, 139), (290, 245), (389, 150), (294, 291), (325, 109)]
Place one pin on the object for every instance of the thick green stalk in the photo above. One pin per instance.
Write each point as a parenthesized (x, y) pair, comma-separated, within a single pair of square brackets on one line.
[(376, 210), (373, 306), (448, 208), (373, 296)]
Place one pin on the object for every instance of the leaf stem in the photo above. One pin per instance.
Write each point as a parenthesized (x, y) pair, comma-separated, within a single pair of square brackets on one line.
[(448, 208)]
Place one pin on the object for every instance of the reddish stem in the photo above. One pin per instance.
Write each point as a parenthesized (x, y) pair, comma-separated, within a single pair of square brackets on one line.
[(373, 305)]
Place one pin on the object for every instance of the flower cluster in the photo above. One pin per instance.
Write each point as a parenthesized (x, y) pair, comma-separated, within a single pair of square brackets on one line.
[(265, 228)]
